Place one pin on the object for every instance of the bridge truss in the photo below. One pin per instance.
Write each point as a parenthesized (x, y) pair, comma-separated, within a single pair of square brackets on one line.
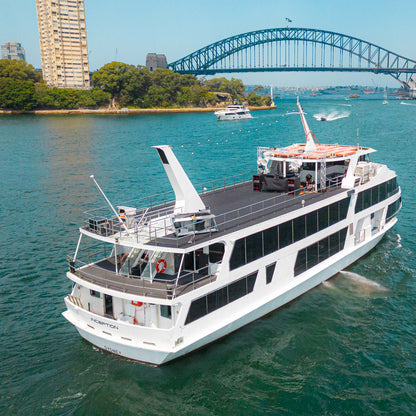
[(294, 49)]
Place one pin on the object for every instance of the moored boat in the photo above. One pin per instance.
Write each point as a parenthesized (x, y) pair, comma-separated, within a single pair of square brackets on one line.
[(159, 278)]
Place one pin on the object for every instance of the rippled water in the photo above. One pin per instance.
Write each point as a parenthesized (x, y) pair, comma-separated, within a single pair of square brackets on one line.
[(345, 348)]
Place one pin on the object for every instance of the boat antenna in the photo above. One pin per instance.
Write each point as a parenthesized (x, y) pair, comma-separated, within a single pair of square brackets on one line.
[(109, 203)]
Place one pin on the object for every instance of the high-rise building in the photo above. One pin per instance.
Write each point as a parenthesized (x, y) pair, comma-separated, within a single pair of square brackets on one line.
[(63, 43), (12, 50)]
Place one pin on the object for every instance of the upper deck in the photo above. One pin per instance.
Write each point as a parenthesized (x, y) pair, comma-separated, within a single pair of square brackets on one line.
[(235, 207)]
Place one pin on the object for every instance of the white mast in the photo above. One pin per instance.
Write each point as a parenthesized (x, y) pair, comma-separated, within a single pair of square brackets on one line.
[(187, 198), (310, 142)]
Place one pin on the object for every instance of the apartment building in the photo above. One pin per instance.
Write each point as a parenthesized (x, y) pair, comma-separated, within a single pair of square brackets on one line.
[(63, 43), (12, 50)]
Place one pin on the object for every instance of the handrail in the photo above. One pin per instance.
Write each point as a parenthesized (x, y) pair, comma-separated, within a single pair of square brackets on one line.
[(160, 288), (155, 232)]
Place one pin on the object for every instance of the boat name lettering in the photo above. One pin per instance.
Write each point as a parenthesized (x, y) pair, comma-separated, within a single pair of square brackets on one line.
[(113, 350), (108, 325)]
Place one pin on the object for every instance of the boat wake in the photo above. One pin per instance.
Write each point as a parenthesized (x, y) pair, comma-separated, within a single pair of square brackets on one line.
[(399, 239), (364, 283), (356, 285), (331, 116), (403, 103)]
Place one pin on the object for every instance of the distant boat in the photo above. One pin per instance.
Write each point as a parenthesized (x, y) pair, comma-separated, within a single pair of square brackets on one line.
[(233, 112), (353, 95)]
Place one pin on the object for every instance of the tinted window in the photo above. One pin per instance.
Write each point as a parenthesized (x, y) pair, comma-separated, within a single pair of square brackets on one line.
[(216, 252), (359, 203), (312, 223), (270, 240), (333, 213), (323, 218), (299, 230), (269, 272), (217, 299), (323, 249), (312, 255), (285, 234), (237, 289), (300, 265), (343, 208), (197, 310), (238, 257), (254, 246)]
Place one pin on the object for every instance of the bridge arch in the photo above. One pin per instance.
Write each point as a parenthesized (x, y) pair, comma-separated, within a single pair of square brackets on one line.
[(294, 49)]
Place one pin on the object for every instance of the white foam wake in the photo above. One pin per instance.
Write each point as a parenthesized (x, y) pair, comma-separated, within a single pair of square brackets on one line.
[(363, 281), (335, 115)]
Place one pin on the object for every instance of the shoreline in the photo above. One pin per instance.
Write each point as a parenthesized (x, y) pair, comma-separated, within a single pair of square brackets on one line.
[(129, 111)]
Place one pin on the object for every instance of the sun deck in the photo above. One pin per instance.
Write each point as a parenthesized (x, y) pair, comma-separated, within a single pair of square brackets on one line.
[(239, 207)]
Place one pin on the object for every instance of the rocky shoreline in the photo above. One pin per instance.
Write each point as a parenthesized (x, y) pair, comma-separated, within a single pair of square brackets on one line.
[(128, 111)]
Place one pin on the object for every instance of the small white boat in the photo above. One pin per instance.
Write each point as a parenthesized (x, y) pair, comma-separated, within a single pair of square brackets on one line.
[(233, 112)]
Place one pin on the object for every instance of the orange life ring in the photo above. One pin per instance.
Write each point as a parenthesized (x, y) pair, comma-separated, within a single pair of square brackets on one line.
[(161, 266), (123, 259), (138, 303)]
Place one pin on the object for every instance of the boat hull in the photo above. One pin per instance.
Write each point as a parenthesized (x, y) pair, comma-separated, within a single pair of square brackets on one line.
[(133, 349)]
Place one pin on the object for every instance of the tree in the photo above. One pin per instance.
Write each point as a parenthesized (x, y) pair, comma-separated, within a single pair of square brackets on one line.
[(17, 95), (19, 70), (127, 84), (234, 87)]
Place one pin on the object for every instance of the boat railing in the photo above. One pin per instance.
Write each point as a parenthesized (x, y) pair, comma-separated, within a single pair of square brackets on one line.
[(163, 287), (154, 226)]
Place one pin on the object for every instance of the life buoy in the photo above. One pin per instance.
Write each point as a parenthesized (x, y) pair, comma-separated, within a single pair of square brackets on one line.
[(161, 266), (123, 259), (136, 303)]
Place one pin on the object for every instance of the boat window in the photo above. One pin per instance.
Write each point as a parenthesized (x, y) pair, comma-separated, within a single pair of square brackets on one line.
[(311, 223), (299, 228), (95, 293), (285, 234), (393, 209), (238, 257), (275, 238), (315, 253), (221, 297), (323, 218), (269, 272), (166, 311), (271, 240), (216, 252), (370, 197), (254, 246)]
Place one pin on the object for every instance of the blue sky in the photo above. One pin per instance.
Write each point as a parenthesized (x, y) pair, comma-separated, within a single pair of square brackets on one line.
[(126, 30)]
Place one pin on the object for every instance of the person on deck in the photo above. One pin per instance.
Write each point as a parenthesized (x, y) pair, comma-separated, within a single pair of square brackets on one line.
[(310, 183)]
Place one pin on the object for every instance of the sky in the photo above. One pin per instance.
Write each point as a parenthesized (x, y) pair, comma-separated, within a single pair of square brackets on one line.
[(126, 30)]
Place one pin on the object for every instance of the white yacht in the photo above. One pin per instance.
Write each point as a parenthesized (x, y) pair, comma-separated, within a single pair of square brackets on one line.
[(157, 279), (233, 112)]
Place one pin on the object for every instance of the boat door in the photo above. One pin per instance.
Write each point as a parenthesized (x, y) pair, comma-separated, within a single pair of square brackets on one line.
[(108, 300)]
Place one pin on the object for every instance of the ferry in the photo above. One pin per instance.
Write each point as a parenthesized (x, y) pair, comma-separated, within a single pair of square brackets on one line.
[(233, 112), (156, 279)]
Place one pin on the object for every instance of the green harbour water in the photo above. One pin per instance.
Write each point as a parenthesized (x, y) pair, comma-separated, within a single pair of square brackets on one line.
[(345, 348)]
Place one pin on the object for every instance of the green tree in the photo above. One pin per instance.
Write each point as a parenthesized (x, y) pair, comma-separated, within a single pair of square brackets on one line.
[(234, 87), (17, 95), (19, 70), (127, 84)]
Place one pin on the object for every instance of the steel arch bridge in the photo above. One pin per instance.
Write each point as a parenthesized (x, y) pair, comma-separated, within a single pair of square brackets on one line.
[(294, 49)]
